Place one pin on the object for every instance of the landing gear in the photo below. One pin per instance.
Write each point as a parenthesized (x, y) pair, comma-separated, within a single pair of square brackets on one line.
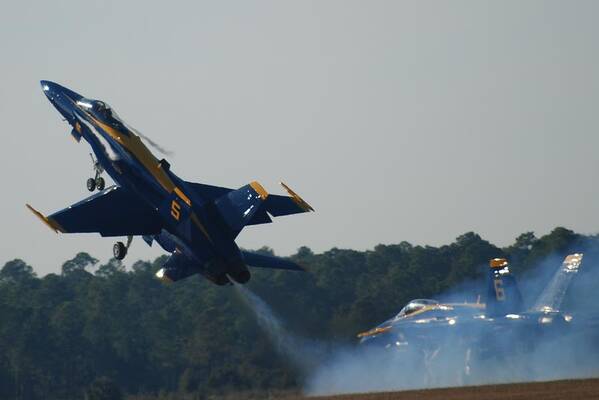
[(91, 184), (119, 250), (97, 182), (100, 183)]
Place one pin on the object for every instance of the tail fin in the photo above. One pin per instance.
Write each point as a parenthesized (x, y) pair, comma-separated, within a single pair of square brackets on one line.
[(552, 296), (239, 206), (503, 295)]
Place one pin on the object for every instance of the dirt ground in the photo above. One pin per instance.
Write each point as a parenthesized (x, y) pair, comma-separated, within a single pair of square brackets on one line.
[(570, 390)]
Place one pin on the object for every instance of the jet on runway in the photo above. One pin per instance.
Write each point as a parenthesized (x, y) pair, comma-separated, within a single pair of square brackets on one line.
[(195, 222), (500, 328)]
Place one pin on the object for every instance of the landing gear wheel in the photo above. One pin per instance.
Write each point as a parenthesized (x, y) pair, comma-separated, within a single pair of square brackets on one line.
[(97, 181), (100, 183), (119, 250), (91, 184)]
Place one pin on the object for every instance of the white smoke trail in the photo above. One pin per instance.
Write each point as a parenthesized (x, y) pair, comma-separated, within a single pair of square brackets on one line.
[(105, 144), (303, 353)]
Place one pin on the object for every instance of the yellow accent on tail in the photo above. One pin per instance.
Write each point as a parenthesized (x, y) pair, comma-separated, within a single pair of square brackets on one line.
[(573, 258), (498, 263), (298, 200), (259, 189)]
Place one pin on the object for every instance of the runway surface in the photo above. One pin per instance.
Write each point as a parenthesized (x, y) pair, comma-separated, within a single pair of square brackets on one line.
[(570, 389)]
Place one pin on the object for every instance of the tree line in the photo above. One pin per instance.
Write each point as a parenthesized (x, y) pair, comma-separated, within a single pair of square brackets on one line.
[(100, 331)]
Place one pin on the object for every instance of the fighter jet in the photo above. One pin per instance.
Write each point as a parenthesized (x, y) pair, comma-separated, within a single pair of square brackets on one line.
[(195, 222), (498, 328)]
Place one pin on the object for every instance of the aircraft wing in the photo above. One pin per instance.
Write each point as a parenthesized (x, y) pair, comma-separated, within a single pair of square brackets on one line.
[(112, 212), (552, 296)]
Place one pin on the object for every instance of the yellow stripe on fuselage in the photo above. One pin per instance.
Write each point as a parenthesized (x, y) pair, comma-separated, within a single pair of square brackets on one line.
[(422, 310), (465, 305), (182, 196), (132, 143), (375, 331)]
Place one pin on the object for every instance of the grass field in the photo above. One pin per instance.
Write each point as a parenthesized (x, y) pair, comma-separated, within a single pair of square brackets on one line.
[(569, 389)]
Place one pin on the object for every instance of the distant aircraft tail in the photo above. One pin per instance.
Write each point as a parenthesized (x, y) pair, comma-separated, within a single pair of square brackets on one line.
[(503, 295), (552, 296)]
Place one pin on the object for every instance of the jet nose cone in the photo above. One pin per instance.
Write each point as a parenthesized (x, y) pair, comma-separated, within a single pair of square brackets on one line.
[(46, 85), (62, 98), (50, 89)]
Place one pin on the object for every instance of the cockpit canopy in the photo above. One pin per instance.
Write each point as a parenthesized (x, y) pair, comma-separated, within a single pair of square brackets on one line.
[(415, 305), (102, 111), (101, 108)]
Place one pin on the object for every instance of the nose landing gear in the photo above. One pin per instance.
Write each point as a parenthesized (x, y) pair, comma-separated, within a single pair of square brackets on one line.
[(119, 250), (97, 182)]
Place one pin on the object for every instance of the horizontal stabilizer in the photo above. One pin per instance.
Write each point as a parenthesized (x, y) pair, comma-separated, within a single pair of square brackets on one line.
[(283, 205), (112, 212), (263, 261), (271, 204)]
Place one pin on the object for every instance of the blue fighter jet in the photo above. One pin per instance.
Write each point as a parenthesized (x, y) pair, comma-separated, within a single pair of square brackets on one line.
[(195, 222), (503, 329), (424, 319)]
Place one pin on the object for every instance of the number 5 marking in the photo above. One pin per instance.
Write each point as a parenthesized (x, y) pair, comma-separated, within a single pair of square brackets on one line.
[(175, 210), (499, 292)]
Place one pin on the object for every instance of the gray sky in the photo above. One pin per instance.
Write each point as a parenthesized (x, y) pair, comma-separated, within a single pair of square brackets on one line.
[(395, 120)]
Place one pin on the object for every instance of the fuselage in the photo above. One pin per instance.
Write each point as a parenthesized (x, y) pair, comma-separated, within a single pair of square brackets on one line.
[(431, 325), (189, 226)]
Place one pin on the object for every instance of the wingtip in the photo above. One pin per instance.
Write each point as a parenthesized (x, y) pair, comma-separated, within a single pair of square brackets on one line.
[(296, 197), (50, 223)]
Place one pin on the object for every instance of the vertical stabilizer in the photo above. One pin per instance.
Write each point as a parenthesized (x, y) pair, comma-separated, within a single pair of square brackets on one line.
[(503, 295), (239, 206), (553, 295)]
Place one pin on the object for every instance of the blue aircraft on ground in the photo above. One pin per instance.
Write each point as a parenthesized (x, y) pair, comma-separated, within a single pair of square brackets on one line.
[(195, 222), (434, 332), (423, 320)]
